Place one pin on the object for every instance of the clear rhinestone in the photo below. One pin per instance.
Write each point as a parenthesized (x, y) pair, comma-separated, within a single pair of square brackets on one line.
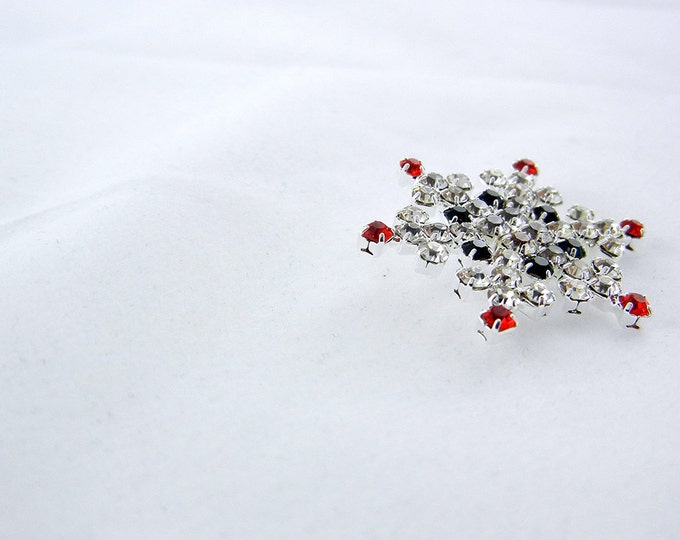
[(538, 231), (507, 258), (508, 297), (478, 208), (439, 232), (554, 253), (607, 267), (425, 195), (506, 275), (562, 229), (538, 295), (474, 277), (413, 214), (580, 213), (494, 177), (433, 180), (549, 195), (455, 195), (433, 252), (585, 230), (578, 270), (520, 178), (605, 286), (409, 232), (575, 289), (612, 247), (492, 225), (460, 180), (609, 227), (520, 195)]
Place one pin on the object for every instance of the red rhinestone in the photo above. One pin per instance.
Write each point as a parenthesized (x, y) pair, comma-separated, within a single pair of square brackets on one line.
[(377, 232), (412, 166), (639, 304), (501, 314), (530, 165), (633, 228)]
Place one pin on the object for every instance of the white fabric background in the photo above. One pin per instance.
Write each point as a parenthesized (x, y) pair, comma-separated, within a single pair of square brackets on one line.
[(193, 347)]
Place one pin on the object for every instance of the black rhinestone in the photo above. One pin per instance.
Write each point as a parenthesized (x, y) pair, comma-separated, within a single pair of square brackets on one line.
[(477, 250), (491, 197), (545, 213), (539, 267), (573, 248), (457, 213)]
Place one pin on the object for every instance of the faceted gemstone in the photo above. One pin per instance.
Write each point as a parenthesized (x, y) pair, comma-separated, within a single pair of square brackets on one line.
[(539, 267), (554, 253), (425, 195), (434, 180), (580, 213), (457, 213), (538, 231), (549, 195), (455, 195), (635, 304), (410, 232), (525, 163), (633, 228), (607, 267), (506, 275), (575, 289), (504, 296), (411, 166), (578, 270), (433, 252), (478, 207), (491, 197), (439, 232), (507, 258), (605, 286), (520, 195), (522, 180), (493, 225), (545, 213), (494, 177), (585, 230), (573, 248), (477, 250), (498, 318), (377, 232), (474, 277), (413, 214), (608, 227), (460, 180), (612, 247), (538, 295)]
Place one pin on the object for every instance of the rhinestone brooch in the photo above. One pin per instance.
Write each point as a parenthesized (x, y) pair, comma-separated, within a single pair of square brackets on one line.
[(512, 244)]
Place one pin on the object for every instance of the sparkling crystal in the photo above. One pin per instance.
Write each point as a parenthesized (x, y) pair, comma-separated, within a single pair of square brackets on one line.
[(578, 270), (575, 289), (474, 277), (549, 195), (492, 225), (425, 195), (477, 208), (504, 296), (506, 275), (455, 195), (585, 230), (580, 213), (507, 258), (612, 247), (538, 231), (411, 166), (607, 267), (439, 232), (409, 232), (433, 180), (605, 286), (522, 179), (498, 318), (459, 180), (538, 295), (413, 214), (609, 227), (494, 177), (433, 252), (554, 253)]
